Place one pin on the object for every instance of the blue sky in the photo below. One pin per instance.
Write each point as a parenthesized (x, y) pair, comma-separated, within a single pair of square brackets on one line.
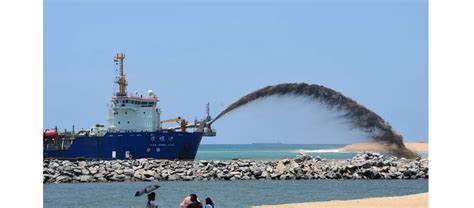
[(375, 52)]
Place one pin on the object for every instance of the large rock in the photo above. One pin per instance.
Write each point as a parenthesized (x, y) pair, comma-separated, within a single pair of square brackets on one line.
[(243, 169), (67, 173), (82, 164), (142, 161), (85, 178), (188, 178), (235, 173), (47, 176), (93, 170), (117, 178), (149, 173), (243, 164), (280, 166), (128, 172), (77, 171), (99, 175), (61, 179), (275, 175), (138, 173), (85, 172)]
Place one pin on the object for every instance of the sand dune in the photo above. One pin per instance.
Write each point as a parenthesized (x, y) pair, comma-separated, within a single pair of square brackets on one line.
[(409, 201), (418, 147), (375, 147)]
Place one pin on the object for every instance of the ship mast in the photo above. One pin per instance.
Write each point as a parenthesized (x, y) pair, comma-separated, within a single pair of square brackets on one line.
[(119, 57)]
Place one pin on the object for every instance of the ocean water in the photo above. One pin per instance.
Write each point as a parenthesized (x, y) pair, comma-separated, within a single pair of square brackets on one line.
[(226, 193), (272, 151)]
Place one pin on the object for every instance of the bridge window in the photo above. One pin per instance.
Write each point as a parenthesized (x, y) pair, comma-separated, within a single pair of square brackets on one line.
[(119, 122), (128, 122)]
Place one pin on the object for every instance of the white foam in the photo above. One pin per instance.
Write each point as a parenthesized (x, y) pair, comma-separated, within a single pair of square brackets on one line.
[(318, 151)]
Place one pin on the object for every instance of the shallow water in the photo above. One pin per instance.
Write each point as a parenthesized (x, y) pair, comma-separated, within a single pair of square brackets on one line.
[(226, 193), (272, 151)]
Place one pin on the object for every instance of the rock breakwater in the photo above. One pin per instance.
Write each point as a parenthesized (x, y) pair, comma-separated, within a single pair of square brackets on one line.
[(362, 166)]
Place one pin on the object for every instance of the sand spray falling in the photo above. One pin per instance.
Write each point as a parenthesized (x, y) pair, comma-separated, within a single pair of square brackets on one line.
[(361, 117)]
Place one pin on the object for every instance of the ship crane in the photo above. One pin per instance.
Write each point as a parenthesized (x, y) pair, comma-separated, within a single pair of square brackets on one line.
[(203, 125), (183, 124)]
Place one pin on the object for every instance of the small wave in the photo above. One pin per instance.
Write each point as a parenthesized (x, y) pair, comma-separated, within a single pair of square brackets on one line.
[(318, 151)]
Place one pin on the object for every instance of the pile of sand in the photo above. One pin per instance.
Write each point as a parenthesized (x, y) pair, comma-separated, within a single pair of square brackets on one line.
[(375, 147), (409, 201)]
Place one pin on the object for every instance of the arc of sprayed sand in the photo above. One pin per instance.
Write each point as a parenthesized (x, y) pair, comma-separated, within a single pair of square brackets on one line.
[(362, 117)]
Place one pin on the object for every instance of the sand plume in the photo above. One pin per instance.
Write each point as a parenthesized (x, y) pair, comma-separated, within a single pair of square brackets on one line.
[(360, 116)]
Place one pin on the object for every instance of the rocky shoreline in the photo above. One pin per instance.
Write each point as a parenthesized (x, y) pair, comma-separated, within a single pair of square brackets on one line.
[(362, 166)]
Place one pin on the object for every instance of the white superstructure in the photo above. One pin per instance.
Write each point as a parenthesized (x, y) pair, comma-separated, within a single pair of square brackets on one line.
[(129, 113), (132, 113)]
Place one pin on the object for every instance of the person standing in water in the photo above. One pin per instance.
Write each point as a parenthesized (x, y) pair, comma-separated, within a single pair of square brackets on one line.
[(194, 202), (186, 201), (209, 203), (152, 203)]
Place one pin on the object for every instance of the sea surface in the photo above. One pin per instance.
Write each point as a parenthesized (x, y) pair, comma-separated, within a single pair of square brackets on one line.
[(225, 193), (272, 151)]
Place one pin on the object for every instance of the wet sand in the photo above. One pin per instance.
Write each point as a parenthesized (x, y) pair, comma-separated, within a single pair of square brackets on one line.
[(409, 201)]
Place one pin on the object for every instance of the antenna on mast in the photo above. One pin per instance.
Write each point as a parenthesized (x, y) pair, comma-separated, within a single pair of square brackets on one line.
[(208, 118), (119, 57)]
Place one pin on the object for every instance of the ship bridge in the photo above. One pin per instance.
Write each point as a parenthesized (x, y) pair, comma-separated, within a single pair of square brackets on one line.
[(132, 113)]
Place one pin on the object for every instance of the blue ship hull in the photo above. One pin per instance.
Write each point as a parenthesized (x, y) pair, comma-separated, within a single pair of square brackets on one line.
[(119, 145)]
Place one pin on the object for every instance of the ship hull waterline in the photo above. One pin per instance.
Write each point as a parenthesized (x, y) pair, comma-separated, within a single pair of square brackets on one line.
[(124, 145)]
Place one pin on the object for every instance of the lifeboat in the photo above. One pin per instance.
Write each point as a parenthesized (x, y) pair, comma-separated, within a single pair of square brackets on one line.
[(50, 134)]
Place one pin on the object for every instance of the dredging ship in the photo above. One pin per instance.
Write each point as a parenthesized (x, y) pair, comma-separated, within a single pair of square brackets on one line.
[(134, 130)]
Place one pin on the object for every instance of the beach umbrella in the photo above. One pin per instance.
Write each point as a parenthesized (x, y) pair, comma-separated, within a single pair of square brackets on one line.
[(147, 190)]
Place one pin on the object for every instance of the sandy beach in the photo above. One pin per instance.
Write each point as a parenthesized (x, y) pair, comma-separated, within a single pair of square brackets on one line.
[(374, 147), (409, 201)]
